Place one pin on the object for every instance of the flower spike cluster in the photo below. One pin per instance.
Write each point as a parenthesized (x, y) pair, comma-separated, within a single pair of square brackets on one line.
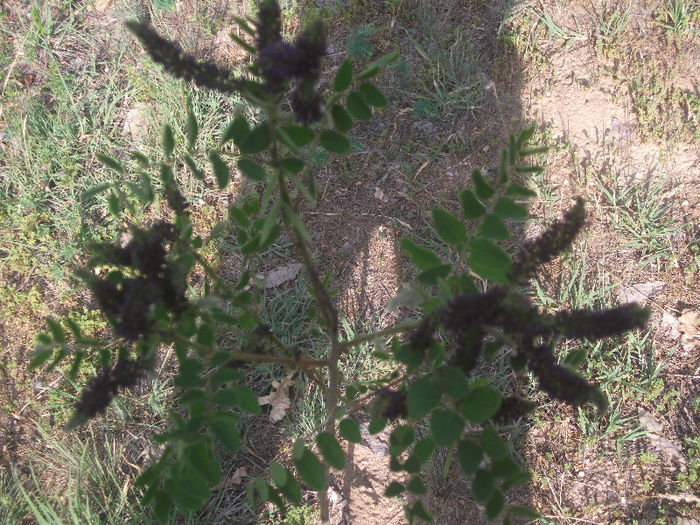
[(280, 61), (181, 65), (128, 297), (502, 307), (98, 394), (557, 238)]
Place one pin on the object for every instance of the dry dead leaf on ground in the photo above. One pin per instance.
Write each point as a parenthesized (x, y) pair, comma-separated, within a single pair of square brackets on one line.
[(379, 194), (102, 5), (280, 275), (690, 326), (234, 479), (135, 123), (640, 292), (277, 399), (671, 326)]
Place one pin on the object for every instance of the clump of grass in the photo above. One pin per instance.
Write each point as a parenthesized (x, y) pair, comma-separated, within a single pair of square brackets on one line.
[(677, 16), (452, 84), (359, 44), (558, 32), (663, 111), (609, 29), (643, 217)]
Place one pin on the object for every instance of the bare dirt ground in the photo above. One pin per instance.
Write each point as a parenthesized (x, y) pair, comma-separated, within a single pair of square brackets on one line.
[(608, 129)]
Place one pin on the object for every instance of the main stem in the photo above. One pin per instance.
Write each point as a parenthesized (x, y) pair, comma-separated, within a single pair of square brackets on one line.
[(329, 312)]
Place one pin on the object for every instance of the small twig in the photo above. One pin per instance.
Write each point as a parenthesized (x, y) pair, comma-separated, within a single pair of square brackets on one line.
[(238, 355), (406, 327), (9, 71)]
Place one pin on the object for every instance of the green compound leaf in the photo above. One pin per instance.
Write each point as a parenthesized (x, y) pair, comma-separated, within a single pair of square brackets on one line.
[(434, 274), (251, 169), (446, 427), (492, 443), (237, 130), (493, 228), (291, 489), (494, 506), (201, 456), (310, 469), (417, 486), (418, 511), (278, 473), (469, 456), (205, 335), (349, 429), (491, 348), (421, 453), (482, 485), (455, 382), (341, 118), (225, 429), (373, 95), (189, 489), (409, 355), (506, 208), (376, 426), (334, 141), (246, 400), (357, 106), (300, 135), (480, 404), (483, 189), (421, 397), (292, 165), (489, 261), (522, 511), (448, 227), (331, 450), (394, 489), (257, 140), (516, 190), (575, 357), (168, 140), (400, 439), (423, 258), (343, 77), (520, 479), (163, 504), (374, 67), (505, 468), (221, 171), (471, 207)]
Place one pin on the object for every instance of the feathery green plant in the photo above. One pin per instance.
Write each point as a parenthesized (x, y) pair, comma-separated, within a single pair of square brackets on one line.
[(143, 287)]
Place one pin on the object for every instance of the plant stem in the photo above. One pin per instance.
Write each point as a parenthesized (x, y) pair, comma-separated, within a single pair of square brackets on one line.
[(448, 462), (329, 312), (396, 329), (238, 355)]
